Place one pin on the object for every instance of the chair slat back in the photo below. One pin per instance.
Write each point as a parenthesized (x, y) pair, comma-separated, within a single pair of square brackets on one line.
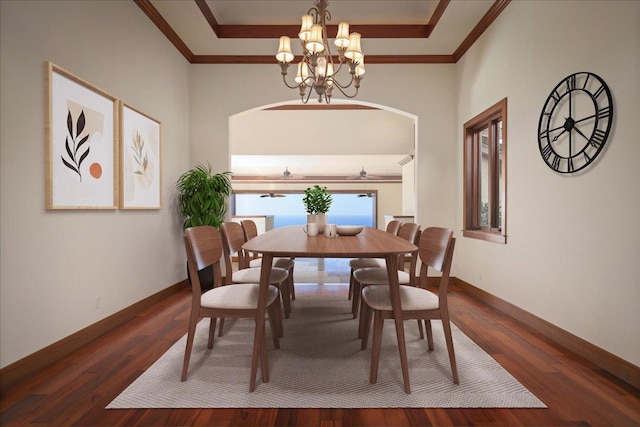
[(232, 237), (203, 245), (232, 241), (393, 227), (409, 231), (433, 246), (250, 229)]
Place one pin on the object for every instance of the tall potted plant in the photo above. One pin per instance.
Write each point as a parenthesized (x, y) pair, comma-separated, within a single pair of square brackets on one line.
[(202, 196), (317, 201)]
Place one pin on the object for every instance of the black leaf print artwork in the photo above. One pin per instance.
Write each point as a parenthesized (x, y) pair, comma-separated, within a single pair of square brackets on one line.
[(74, 146)]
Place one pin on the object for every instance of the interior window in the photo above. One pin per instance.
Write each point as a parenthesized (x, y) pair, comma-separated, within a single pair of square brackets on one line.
[(348, 207), (485, 178)]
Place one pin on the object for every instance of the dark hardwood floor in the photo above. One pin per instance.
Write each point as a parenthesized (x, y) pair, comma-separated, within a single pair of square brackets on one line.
[(75, 390)]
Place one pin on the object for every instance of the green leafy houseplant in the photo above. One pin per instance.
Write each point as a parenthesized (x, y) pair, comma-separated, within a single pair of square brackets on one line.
[(317, 200), (203, 196)]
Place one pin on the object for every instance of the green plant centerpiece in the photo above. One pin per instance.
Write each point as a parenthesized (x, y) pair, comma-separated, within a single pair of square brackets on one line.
[(203, 196), (317, 201)]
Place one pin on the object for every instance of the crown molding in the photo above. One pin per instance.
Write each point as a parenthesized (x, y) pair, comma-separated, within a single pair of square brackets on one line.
[(368, 31)]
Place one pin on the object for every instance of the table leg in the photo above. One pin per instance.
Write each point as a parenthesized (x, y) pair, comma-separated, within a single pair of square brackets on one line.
[(392, 270), (259, 336)]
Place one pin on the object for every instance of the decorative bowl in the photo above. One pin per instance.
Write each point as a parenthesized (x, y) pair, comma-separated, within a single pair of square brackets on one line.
[(349, 230)]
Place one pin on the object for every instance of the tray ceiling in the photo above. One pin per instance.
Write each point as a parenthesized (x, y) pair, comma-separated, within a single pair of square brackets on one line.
[(393, 31)]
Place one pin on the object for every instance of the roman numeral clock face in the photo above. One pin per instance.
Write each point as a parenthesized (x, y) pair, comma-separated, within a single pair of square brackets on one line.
[(575, 122)]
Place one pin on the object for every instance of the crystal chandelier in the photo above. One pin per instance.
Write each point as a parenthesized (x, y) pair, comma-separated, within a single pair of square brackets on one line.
[(317, 70)]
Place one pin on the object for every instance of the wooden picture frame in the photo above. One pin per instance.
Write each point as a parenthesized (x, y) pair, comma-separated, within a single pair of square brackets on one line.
[(81, 170), (140, 160)]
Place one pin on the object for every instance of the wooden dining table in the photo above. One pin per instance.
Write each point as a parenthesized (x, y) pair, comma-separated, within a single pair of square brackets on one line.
[(291, 241)]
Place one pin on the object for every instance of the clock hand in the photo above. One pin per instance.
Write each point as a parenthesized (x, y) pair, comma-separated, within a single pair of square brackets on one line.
[(555, 129), (568, 123), (586, 118), (567, 126), (580, 132), (555, 138)]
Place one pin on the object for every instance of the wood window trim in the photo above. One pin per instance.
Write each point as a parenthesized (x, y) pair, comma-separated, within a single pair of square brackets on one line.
[(471, 172)]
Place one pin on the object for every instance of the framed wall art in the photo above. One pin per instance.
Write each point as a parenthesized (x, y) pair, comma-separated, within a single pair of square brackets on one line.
[(140, 157), (81, 143)]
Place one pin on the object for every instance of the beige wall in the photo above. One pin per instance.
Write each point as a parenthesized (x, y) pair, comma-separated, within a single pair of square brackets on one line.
[(215, 98), (54, 264), (573, 251), (336, 132)]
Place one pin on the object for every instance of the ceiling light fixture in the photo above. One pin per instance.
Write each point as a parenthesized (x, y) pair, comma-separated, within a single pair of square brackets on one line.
[(316, 71), (364, 175)]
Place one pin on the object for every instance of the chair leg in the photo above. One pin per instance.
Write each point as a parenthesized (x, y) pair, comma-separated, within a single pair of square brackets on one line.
[(357, 290), (277, 308), (273, 322), (212, 332), (361, 315), (221, 327), (264, 364), (351, 279), (193, 321), (420, 329), (427, 325), (293, 287), (365, 321), (378, 323), (286, 297), (364, 316), (452, 357)]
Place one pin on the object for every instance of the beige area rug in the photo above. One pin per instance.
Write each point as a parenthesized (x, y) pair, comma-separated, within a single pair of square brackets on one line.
[(321, 270), (320, 365)]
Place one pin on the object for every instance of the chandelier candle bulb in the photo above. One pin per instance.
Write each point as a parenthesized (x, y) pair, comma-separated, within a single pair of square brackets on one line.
[(305, 28), (284, 50), (314, 45), (354, 51), (342, 38), (322, 67), (360, 68), (330, 73), (302, 74)]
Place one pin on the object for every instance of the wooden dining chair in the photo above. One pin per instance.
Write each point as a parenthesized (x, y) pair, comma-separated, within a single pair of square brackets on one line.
[(203, 245), (392, 227), (232, 241), (379, 275), (254, 261), (435, 250)]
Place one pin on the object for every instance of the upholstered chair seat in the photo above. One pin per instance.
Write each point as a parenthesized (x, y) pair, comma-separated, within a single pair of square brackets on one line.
[(411, 298), (379, 276), (252, 275)]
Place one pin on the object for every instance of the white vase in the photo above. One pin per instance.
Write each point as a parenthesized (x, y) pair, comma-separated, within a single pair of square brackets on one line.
[(320, 219)]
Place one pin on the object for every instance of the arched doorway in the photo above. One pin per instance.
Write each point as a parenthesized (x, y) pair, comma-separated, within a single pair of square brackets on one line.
[(331, 144)]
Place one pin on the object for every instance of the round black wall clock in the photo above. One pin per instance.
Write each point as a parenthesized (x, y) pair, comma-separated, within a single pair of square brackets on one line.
[(575, 122)]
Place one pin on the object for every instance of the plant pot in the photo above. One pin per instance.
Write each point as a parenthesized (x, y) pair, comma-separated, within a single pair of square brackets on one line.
[(320, 219)]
